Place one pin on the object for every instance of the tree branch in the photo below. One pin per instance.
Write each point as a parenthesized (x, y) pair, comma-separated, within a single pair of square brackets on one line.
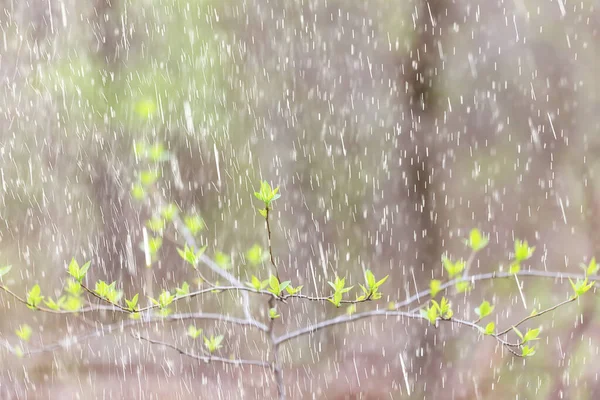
[(206, 358)]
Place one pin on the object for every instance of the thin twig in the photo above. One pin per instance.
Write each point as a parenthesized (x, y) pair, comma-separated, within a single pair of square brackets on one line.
[(495, 275), (277, 370), (122, 325), (207, 358), (569, 300)]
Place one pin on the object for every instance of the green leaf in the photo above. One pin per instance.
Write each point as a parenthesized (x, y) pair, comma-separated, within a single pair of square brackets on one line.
[(155, 224), (73, 288), (5, 270), (527, 351), (148, 177), (169, 212), (336, 299), (188, 255), (476, 240), (132, 304), (223, 260), (581, 286), (256, 255), (158, 152), (255, 283), (284, 285), (274, 285), (154, 244), (522, 250), (370, 278), (463, 286), (72, 303), (484, 309), (138, 192), (193, 332), (263, 212), (294, 290), (453, 268), (435, 287), (591, 269), (55, 305), (194, 223), (531, 334), (267, 195), (24, 332), (431, 314), (351, 309), (76, 271), (213, 343), (108, 291), (145, 108), (165, 299), (273, 314), (515, 268), (184, 290), (445, 312), (34, 297), (490, 328)]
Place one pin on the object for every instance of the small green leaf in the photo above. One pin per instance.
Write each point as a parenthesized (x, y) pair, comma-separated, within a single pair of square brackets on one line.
[(581, 286), (5, 270), (453, 268), (193, 332), (169, 212), (73, 288), (223, 260), (256, 255), (34, 297), (155, 224), (263, 212), (531, 334), (274, 285), (158, 152), (490, 328), (515, 268), (24, 332), (484, 309), (213, 343), (463, 286), (435, 287), (527, 351), (522, 250), (55, 305), (154, 244), (148, 177), (351, 309), (132, 304), (145, 108), (138, 192), (476, 240), (273, 314), (293, 290), (194, 223), (336, 299), (591, 269), (431, 314), (72, 303), (184, 290)]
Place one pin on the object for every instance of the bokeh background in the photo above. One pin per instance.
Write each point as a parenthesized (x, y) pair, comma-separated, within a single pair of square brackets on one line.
[(393, 127)]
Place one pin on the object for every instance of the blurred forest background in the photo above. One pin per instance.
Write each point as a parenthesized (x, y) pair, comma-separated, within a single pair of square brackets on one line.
[(392, 126)]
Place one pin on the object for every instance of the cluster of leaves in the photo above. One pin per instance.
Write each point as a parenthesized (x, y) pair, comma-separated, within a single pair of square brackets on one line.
[(267, 195)]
